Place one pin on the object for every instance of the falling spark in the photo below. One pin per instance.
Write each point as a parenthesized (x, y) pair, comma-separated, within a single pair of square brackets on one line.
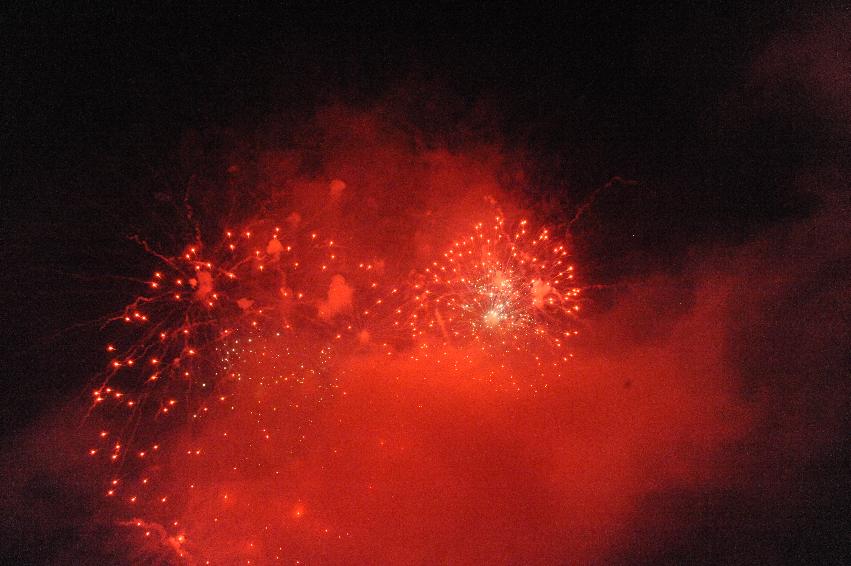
[(248, 339)]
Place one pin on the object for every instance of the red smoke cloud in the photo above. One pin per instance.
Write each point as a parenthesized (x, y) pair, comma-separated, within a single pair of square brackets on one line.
[(411, 461)]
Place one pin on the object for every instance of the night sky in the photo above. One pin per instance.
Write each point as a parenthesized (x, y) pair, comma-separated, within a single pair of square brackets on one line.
[(705, 419)]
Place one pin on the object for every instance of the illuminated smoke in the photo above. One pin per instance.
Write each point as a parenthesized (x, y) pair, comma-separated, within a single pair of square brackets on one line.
[(363, 382)]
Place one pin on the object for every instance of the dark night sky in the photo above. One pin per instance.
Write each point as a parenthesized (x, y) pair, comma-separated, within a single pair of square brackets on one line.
[(726, 118)]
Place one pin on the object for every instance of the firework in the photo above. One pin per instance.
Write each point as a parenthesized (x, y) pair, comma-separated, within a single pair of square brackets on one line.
[(234, 351), (218, 330), (502, 289)]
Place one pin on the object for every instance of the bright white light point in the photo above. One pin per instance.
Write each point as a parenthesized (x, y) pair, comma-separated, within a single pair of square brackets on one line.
[(493, 318)]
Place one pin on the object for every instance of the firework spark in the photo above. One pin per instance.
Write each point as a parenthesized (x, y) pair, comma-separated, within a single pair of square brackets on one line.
[(505, 288), (248, 340)]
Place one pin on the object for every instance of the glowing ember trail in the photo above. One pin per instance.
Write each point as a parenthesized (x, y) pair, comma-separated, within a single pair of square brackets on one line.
[(214, 387)]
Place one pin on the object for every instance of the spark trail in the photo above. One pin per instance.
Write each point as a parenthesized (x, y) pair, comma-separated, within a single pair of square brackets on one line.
[(221, 369)]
